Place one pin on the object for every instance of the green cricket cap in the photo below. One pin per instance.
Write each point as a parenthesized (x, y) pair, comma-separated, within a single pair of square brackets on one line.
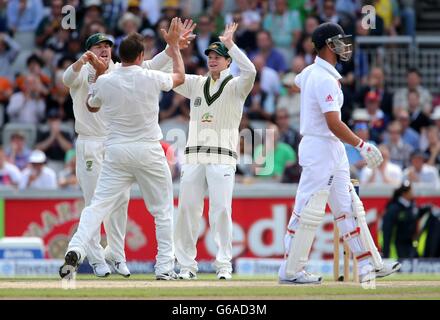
[(97, 38), (219, 48)]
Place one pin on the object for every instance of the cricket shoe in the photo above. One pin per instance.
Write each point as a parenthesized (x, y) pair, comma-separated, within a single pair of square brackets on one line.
[(186, 274), (387, 269), (367, 274), (224, 275), (101, 270), (171, 275), (71, 263), (302, 277), (119, 267)]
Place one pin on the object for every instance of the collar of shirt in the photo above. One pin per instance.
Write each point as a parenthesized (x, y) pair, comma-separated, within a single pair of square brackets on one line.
[(328, 67), (223, 75), (405, 202), (128, 68)]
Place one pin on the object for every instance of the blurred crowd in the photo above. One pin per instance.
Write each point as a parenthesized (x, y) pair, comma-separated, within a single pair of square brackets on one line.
[(36, 112)]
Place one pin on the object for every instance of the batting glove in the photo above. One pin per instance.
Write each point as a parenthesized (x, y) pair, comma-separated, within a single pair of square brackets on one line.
[(370, 153)]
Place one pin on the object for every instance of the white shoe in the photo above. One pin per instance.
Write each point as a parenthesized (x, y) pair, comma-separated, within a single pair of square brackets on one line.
[(119, 267), (302, 277), (171, 275), (387, 269), (367, 274), (224, 275), (101, 269), (186, 274)]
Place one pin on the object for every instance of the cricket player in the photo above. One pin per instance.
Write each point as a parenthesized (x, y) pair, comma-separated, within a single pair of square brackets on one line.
[(325, 170), (210, 155), (129, 97), (92, 132)]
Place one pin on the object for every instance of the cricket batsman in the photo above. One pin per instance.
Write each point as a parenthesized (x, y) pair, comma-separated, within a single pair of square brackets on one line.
[(129, 97), (210, 155), (325, 173), (92, 131)]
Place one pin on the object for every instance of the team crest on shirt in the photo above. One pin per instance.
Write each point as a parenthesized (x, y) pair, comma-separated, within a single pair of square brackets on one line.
[(198, 102), (207, 117), (89, 165)]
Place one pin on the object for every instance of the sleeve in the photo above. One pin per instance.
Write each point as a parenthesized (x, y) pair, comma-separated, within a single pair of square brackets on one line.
[(160, 62), (71, 78), (24, 180), (164, 81), (15, 174), (186, 88), (244, 82), (15, 104), (327, 92), (298, 80), (95, 100)]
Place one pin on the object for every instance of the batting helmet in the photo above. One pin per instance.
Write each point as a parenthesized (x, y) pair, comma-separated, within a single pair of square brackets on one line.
[(333, 35)]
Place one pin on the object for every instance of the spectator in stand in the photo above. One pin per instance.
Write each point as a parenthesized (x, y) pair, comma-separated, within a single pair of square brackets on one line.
[(250, 17), (421, 173), (409, 136), (274, 59), (432, 152), (418, 117), (3, 16), (399, 224), (112, 10), (307, 50), (38, 175), (174, 107), (378, 119), (134, 6), (251, 137), (28, 105), (435, 118), (388, 10), (67, 179), (386, 173), (10, 175), (285, 28), (128, 23), (357, 163), (6, 91), (408, 16), (205, 35), (54, 141), (18, 153), (35, 65), (400, 152), (310, 25), (328, 13), (92, 12), (9, 50), (376, 82), (287, 134), (50, 23), (150, 49), (246, 36), (258, 104), (270, 80), (24, 16), (414, 80), (170, 154), (272, 158), (59, 99)]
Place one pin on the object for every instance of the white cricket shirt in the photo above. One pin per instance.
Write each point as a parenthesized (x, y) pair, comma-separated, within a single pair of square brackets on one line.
[(320, 93), (129, 98)]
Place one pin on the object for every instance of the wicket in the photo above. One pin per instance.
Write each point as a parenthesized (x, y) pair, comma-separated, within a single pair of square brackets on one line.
[(346, 252)]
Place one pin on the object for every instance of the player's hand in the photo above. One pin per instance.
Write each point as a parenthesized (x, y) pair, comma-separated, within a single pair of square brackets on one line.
[(173, 35), (228, 35), (98, 64), (370, 153), (186, 33)]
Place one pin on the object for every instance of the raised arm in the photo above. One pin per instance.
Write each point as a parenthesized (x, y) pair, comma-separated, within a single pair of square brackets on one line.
[(172, 38), (163, 61), (245, 81), (71, 75)]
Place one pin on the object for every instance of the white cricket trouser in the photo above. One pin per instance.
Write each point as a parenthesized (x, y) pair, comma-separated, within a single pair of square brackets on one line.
[(124, 164), (89, 158), (219, 180), (327, 169)]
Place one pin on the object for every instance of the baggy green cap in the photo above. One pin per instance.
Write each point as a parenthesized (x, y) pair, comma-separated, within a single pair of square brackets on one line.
[(219, 48), (97, 38)]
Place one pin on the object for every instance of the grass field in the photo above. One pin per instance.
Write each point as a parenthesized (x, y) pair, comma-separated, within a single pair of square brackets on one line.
[(208, 287)]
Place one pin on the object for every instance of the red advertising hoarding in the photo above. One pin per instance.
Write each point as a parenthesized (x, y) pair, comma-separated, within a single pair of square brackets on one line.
[(258, 230)]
